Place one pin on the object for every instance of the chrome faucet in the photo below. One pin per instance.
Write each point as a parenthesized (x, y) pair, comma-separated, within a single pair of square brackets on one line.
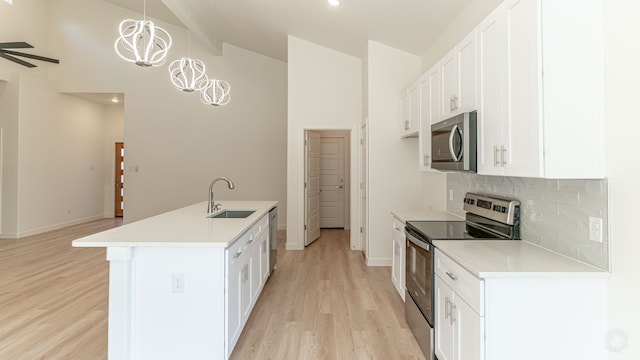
[(213, 206)]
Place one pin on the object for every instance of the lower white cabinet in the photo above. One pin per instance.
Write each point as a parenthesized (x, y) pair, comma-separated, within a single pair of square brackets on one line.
[(457, 325), (524, 316), (247, 270), (399, 250)]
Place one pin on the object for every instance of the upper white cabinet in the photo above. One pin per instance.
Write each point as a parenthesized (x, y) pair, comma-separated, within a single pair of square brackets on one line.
[(458, 71), (430, 102), (540, 89), (410, 111)]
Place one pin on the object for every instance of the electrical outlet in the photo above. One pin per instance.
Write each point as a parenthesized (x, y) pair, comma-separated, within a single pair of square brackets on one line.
[(450, 194), (177, 283), (595, 229)]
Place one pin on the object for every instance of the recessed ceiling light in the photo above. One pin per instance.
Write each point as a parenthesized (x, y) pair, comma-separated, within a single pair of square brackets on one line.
[(334, 2), (114, 99)]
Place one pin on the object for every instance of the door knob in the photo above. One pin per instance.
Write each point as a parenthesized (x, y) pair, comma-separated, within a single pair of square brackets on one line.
[(339, 186)]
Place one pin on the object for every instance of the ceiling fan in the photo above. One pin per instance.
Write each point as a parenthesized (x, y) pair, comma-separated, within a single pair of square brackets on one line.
[(11, 55)]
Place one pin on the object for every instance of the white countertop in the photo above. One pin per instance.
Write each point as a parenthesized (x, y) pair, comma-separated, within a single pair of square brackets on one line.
[(513, 258), (184, 227), (424, 215)]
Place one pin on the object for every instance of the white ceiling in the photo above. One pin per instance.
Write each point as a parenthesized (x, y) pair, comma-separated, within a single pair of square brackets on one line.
[(262, 26)]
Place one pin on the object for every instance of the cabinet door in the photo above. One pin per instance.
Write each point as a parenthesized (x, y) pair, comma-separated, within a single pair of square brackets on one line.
[(469, 331), (397, 265), (256, 268), (465, 99), (246, 298), (449, 73), (264, 257), (522, 125), (233, 300), (491, 103), (405, 123), (445, 339), (430, 104)]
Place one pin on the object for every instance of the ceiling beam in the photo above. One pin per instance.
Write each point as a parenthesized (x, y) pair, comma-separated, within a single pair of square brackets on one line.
[(203, 28)]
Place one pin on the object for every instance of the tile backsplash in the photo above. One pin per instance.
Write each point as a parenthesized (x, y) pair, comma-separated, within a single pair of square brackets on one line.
[(554, 213)]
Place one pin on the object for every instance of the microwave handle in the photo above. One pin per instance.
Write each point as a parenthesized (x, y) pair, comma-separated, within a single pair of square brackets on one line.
[(455, 130)]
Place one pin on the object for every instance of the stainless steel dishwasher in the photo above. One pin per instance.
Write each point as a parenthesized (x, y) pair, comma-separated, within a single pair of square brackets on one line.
[(273, 238)]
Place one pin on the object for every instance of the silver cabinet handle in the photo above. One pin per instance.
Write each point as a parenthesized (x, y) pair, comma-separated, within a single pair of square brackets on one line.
[(237, 254), (455, 102), (452, 276), (502, 157), (496, 156)]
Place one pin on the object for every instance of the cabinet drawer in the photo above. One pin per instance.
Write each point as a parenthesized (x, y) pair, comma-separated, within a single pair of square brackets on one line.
[(467, 286), (397, 228), (261, 226), (238, 248)]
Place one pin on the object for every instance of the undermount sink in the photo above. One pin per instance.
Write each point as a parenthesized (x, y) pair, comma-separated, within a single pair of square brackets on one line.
[(232, 214)]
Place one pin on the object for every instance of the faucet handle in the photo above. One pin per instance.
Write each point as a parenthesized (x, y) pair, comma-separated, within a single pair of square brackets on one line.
[(217, 207)]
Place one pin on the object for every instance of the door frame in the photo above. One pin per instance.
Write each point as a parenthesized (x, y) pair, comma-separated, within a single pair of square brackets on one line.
[(295, 179)]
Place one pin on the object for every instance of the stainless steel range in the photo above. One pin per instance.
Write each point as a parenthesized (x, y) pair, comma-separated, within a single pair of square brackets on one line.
[(487, 217)]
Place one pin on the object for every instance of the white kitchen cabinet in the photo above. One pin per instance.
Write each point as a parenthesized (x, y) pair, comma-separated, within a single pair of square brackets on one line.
[(537, 117), (458, 71), (399, 250), (459, 331), (559, 316), (430, 102), (235, 278), (247, 259), (410, 111)]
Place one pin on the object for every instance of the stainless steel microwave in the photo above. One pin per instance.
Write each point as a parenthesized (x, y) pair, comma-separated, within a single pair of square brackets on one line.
[(454, 143)]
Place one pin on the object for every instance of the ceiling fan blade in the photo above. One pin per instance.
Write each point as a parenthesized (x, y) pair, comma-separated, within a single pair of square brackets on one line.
[(16, 60), (15, 45), (31, 56)]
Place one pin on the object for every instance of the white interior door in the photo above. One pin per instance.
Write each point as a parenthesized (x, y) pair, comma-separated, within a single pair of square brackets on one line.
[(332, 183), (312, 186)]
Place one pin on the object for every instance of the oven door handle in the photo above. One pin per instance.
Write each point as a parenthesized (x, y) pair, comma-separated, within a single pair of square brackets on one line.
[(419, 243)]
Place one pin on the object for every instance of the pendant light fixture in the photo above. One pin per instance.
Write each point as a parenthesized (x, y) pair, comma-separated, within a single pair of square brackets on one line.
[(141, 42), (216, 93), (188, 74)]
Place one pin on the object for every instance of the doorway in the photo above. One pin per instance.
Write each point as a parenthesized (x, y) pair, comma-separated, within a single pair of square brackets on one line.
[(327, 181), (119, 180)]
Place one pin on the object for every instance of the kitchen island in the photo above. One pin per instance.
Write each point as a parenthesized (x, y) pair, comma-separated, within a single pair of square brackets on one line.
[(182, 285)]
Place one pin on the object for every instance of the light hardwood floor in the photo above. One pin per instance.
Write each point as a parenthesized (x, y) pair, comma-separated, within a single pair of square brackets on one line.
[(325, 303), (53, 297), (320, 303)]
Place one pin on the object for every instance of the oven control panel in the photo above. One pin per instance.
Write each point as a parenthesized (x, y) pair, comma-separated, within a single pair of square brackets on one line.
[(496, 208)]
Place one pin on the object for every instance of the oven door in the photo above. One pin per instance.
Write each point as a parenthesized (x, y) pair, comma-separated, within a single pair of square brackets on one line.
[(419, 273)]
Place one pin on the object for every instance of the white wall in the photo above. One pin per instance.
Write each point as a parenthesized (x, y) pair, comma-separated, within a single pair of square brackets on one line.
[(60, 158), (393, 161), (324, 93), (622, 74), (177, 144)]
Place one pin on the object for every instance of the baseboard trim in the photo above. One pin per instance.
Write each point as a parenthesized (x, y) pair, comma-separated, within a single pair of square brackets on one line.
[(378, 262), (55, 226)]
